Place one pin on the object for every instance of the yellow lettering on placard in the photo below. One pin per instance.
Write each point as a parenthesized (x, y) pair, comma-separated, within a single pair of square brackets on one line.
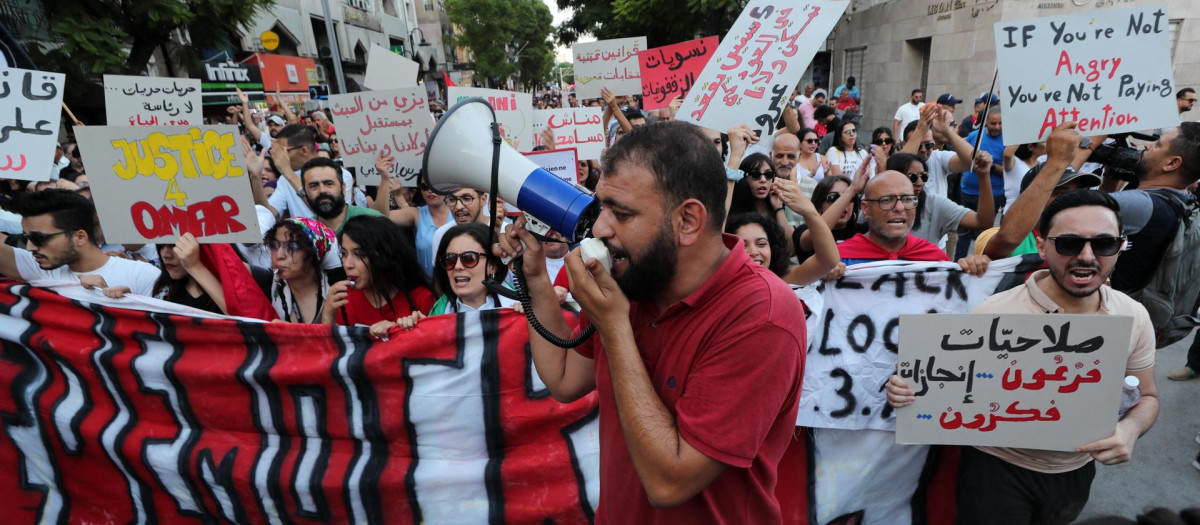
[(173, 194), (195, 153)]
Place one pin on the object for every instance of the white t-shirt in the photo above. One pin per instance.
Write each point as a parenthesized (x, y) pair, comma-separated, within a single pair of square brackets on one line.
[(907, 113), (288, 203), (1012, 182), (847, 160), (939, 170), (138, 276)]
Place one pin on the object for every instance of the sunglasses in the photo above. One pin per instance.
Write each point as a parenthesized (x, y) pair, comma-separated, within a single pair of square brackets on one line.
[(1070, 245), (760, 175), (850, 132), (289, 246), (40, 239), (927, 145), (883, 142), (813, 141), (913, 176), (469, 260), (833, 197)]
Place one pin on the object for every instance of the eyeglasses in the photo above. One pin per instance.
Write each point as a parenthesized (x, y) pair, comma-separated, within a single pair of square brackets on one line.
[(1189, 100), (813, 141), (833, 197), (294, 148), (888, 202), (760, 175), (913, 176), (927, 145), (883, 142), (40, 239), (289, 246), (1071, 245), (850, 132), (452, 200), (469, 260)]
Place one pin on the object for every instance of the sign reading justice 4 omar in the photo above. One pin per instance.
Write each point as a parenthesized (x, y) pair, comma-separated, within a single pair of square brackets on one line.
[(1109, 70)]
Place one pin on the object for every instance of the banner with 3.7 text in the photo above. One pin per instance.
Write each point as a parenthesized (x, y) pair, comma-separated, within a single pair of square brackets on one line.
[(115, 415)]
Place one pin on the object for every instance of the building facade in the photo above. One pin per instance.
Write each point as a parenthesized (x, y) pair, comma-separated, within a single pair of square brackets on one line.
[(947, 46)]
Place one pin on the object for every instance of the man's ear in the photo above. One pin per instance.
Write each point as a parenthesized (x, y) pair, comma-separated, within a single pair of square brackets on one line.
[(691, 220)]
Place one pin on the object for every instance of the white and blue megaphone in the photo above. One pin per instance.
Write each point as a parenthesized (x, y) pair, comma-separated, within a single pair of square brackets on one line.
[(461, 153)]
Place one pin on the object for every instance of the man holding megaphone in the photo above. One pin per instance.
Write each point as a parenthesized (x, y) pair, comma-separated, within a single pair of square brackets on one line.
[(701, 350)]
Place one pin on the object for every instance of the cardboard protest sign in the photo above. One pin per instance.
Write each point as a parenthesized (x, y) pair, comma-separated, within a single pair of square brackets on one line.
[(561, 162), (1108, 70), (670, 71), (855, 332), (152, 101), (30, 108), (757, 64), (608, 63), (514, 112), (394, 121), (386, 69), (1048, 382), (154, 183), (580, 128)]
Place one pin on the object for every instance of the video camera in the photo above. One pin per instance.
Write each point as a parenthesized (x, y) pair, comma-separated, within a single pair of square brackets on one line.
[(1120, 159)]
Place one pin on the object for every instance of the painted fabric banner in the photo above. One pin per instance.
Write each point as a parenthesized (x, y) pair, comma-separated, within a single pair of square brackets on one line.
[(115, 415)]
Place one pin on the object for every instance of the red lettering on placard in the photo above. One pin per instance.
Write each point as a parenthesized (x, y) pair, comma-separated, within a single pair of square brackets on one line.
[(202, 219)]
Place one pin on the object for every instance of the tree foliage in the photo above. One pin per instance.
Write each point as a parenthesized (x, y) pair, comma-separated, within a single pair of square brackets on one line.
[(507, 37), (120, 36), (662, 22)]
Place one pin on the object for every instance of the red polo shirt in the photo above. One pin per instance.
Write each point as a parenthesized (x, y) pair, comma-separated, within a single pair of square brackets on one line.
[(727, 362)]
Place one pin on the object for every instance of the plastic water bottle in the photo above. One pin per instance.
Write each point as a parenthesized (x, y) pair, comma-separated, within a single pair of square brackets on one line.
[(1131, 393)]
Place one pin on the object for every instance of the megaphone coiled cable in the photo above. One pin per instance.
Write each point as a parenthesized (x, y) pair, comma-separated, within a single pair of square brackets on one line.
[(527, 304)]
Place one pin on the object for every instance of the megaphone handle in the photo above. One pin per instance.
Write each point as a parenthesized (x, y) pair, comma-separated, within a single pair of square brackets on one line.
[(494, 190)]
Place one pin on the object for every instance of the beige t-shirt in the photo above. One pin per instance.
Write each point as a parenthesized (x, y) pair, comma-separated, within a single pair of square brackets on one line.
[(1031, 299)]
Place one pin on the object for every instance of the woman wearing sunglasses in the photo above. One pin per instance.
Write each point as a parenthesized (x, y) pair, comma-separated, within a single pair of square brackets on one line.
[(462, 267), (845, 155), (936, 215), (882, 137), (811, 164), (300, 287), (836, 198), (755, 192), (383, 279)]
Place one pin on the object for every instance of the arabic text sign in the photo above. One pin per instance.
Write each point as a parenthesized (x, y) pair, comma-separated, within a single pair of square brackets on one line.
[(388, 70), (561, 162), (151, 101), (578, 128), (1108, 70), (394, 121), (514, 112), (155, 183), (1049, 382), (608, 63), (30, 107), (670, 71), (758, 62), (855, 333)]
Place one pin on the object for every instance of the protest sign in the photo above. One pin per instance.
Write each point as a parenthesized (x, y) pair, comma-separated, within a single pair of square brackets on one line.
[(151, 101), (386, 69), (608, 63), (1048, 382), (580, 128), (759, 61), (152, 184), (30, 108), (150, 415), (393, 121), (1109, 70), (514, 112), (561, 162), (670, 71)]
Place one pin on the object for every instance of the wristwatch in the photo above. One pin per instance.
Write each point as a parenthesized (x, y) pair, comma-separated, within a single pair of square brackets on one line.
[(1086, 143)]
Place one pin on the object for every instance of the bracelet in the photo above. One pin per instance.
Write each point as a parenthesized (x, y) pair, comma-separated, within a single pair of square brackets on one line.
[(781, 208)]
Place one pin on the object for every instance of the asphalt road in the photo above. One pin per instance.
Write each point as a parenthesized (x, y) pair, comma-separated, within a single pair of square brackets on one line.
[(1161, 473)]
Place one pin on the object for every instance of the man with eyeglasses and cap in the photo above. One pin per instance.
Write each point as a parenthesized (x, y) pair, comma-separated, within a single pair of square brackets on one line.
[(998, 485), (60, 232)]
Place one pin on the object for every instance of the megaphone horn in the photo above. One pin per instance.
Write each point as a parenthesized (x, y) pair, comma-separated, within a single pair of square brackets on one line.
[(459, 154)]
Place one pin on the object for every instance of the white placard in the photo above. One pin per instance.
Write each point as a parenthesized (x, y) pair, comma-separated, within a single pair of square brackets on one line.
[(579, 128), (394, 121), (152, 101), (388, 70), (561, 162), (608, 63), (1108, 70), (759, 61), (30, 109), (154, 183), (514, 112), (1049, 382)]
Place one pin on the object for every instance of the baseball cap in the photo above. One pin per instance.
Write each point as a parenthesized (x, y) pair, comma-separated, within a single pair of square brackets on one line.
[(1089, 179), (820, 93), (948, 100), (276, 120), (984, 96)]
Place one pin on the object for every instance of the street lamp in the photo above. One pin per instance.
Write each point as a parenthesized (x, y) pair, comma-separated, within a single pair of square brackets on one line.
[(412, 42)]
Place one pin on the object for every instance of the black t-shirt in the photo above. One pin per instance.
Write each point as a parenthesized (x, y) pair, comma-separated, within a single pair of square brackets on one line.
[(839, 235)]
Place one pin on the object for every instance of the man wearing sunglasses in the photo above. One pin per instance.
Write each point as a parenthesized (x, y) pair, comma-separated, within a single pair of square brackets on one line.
[(59, 227), (998, 485)]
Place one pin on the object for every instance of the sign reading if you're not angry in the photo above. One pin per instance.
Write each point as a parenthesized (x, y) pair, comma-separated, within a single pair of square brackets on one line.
[(1109, 71), (154, 183)]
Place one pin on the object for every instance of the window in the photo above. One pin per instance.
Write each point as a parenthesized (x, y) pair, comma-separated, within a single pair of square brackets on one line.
[(429, 5), (364, 5), (852, 66), (1173, 35)]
